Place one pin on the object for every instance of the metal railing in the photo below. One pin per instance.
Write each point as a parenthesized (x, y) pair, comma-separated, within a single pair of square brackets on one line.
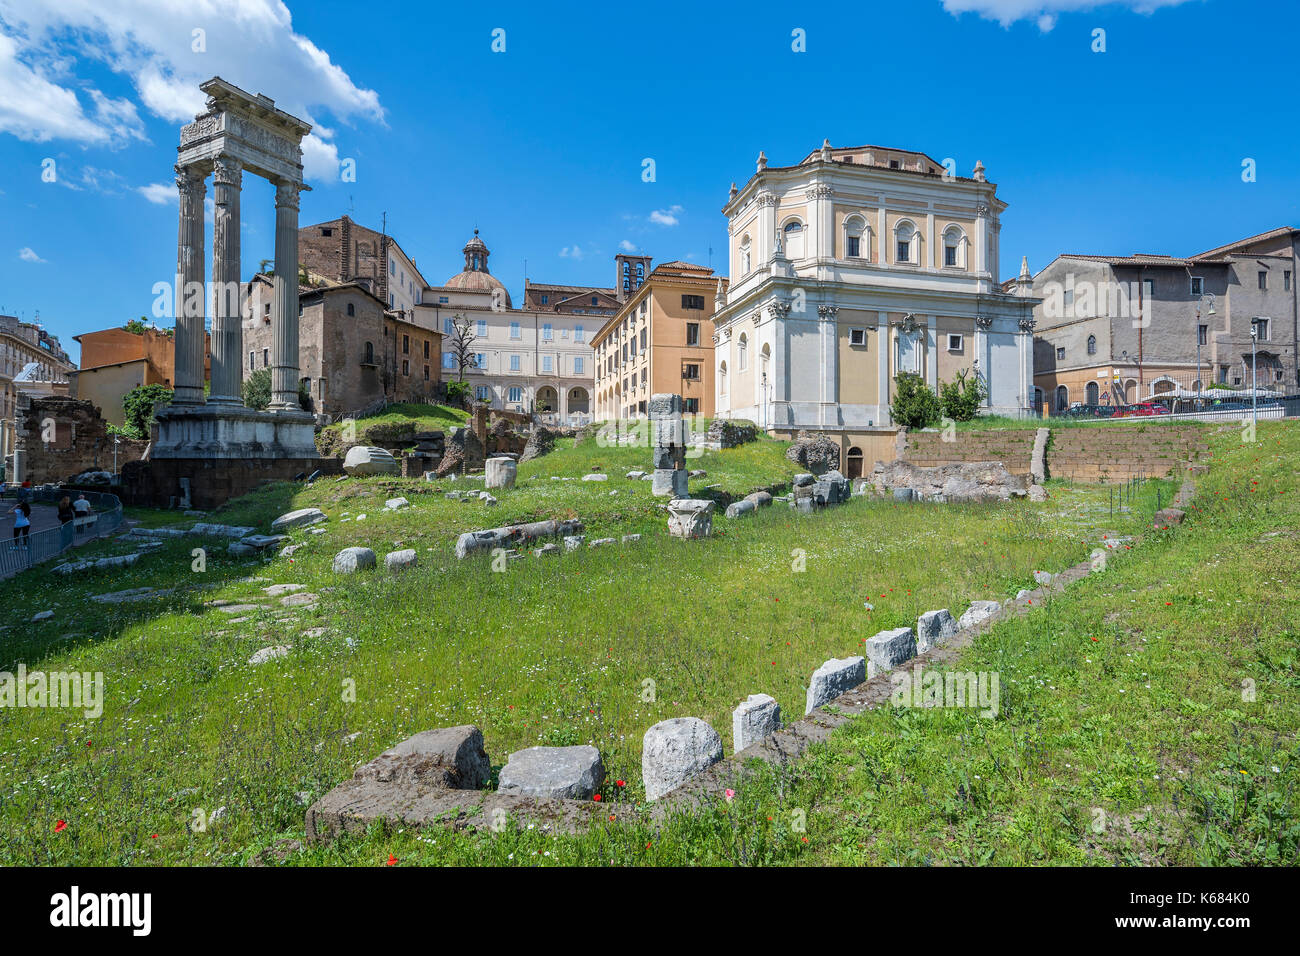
[(19, 554)]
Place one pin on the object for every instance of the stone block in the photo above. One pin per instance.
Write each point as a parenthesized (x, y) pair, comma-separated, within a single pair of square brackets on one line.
[(221, 530), (451, 757), (934, 628), (977, 613), (669, 483), (365, 460), (663, 405), (887, 649), (758, 716), (1042, 577), (564, 773), (690, 518), (300, 518), (675, 750), (500, 472), (833, 678), (511, 535), (1168, 517), (573, 542), (351, 560), (739, 508), (269, 654), (400, 560), (396, 504), (761, 499), (595, 476)]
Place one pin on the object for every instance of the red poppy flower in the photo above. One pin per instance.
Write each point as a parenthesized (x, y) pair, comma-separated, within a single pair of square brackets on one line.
[(391, 860), (60, 826), (620, 783), (596, 798)]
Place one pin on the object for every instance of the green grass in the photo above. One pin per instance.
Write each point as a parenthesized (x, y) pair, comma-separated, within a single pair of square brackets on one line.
[(553, 650), (402, 419)]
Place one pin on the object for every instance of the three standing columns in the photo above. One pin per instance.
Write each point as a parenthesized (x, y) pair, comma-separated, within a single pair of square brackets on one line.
[(226, 293)]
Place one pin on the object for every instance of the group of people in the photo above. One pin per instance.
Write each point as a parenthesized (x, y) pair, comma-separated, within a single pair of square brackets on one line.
[(69, 510)]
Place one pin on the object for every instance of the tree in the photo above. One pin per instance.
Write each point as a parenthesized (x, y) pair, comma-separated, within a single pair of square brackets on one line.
[(961, 399), (914, 405), (256, 391), (135, 326), (462, 345), (138, 407)]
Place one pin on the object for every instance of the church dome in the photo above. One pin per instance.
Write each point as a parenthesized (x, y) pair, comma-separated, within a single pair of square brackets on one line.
[(475, 276)]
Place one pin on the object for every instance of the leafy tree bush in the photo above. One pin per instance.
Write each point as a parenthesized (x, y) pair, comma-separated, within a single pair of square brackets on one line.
[(961, 399), (138, 407), (256, 391), (458, 394), (914, 406)]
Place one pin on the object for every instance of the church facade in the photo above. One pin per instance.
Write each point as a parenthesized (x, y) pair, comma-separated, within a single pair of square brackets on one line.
[(851, 266)]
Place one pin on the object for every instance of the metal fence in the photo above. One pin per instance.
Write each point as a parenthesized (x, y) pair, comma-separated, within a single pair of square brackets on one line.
[(21, 553)]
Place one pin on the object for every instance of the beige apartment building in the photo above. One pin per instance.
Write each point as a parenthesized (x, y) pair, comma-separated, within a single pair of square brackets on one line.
[(660, 340), (32, 363)]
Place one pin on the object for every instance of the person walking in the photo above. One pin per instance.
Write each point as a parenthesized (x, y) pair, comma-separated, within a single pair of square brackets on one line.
[(22, 525), (81, 506), (66, 511)]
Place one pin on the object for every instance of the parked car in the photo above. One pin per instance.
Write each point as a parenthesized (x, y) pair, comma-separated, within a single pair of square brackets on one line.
[(1140, 410), (1087, 411)]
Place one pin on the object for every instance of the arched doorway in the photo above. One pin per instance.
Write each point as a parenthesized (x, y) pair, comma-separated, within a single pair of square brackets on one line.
[(1062, 398), (855, 462), (548, 400), (1094, 393), (579, 403)]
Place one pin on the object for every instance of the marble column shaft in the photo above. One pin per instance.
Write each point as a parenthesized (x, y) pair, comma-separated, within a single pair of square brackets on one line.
[(284, 318), (227, 334), (189, 343)]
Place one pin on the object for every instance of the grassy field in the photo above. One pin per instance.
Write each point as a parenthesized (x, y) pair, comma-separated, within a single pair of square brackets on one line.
[(553, 650)]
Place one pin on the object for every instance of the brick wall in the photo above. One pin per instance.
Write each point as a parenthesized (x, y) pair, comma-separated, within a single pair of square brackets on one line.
[(61, 437), (1013, 447)]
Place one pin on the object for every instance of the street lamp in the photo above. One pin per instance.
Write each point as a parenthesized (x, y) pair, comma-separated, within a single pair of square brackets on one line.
[(764, 384), (1199, 303), (116, 441), (1254, 378)]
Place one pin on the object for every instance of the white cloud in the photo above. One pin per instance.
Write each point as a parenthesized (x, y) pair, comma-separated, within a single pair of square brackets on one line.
[(627, 246), (320, 157), (571, 252), (666, 217), (159, 193), (250, 43), (28, 255), (1044, 12)]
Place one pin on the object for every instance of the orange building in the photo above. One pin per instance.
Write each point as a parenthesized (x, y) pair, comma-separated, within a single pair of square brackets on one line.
[(660, 340), (115, 361)]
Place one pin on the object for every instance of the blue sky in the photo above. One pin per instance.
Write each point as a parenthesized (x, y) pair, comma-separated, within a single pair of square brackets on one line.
[(1139, 148)]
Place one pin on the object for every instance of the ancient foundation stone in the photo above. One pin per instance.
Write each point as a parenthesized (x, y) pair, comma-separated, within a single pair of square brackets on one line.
[(675, 750), (299, 518), (1168, 517), (400, 560), (365, 460), (500, 472), (351, 560), (669, 483), (934, 628), (566, 773), (452, 757), (833, 678), (977, 613), (887, 649), (739, 508), (512, 535), (758, 716)]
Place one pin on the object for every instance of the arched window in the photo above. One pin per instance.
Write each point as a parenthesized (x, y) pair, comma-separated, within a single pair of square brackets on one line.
[(764, 359), (742, 356), (857, 238), (369, 354), (1062, 398), (907, 242), (855, 462), (1092, 345), (352, 309), (746, 257), (1094, 393), (954, 247), (722, 379), (793, 231)]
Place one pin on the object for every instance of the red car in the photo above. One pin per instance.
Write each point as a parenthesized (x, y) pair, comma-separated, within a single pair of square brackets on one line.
[(1141, 410)]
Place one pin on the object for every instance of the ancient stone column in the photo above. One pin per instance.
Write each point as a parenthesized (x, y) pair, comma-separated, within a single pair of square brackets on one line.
[(189, 342), (284, 317), (227, 335)]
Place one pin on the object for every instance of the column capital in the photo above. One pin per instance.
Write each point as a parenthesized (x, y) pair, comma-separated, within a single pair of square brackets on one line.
[(287, 193), (191, 178), (227, 170)]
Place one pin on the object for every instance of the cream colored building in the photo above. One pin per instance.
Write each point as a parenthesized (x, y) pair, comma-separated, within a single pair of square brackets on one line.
[(526, 360), (855, 264), (32, 362)]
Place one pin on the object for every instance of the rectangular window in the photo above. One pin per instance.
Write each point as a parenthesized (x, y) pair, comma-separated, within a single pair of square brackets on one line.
[(406, 367), (266, 357), (858, 337), (1263, 280), (691, 372), (426, 373), (854, 249), (515, 331), (547, 364), (449, 326), (516, 393), (480, 328), (426, 348), (482, 392), (577, 365), (448, 360), (904, 251), (691, 406), (692, 333), (692, 302), (480, 360), (1060, 354), (1260, 327), (955, 342), (514, 363), (950, 255), (251, 363), (406, 345), (1198, 285), (547, 332), (443, 300), (1203, 335), (1286, 280), (545, 299), (577, 333)]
